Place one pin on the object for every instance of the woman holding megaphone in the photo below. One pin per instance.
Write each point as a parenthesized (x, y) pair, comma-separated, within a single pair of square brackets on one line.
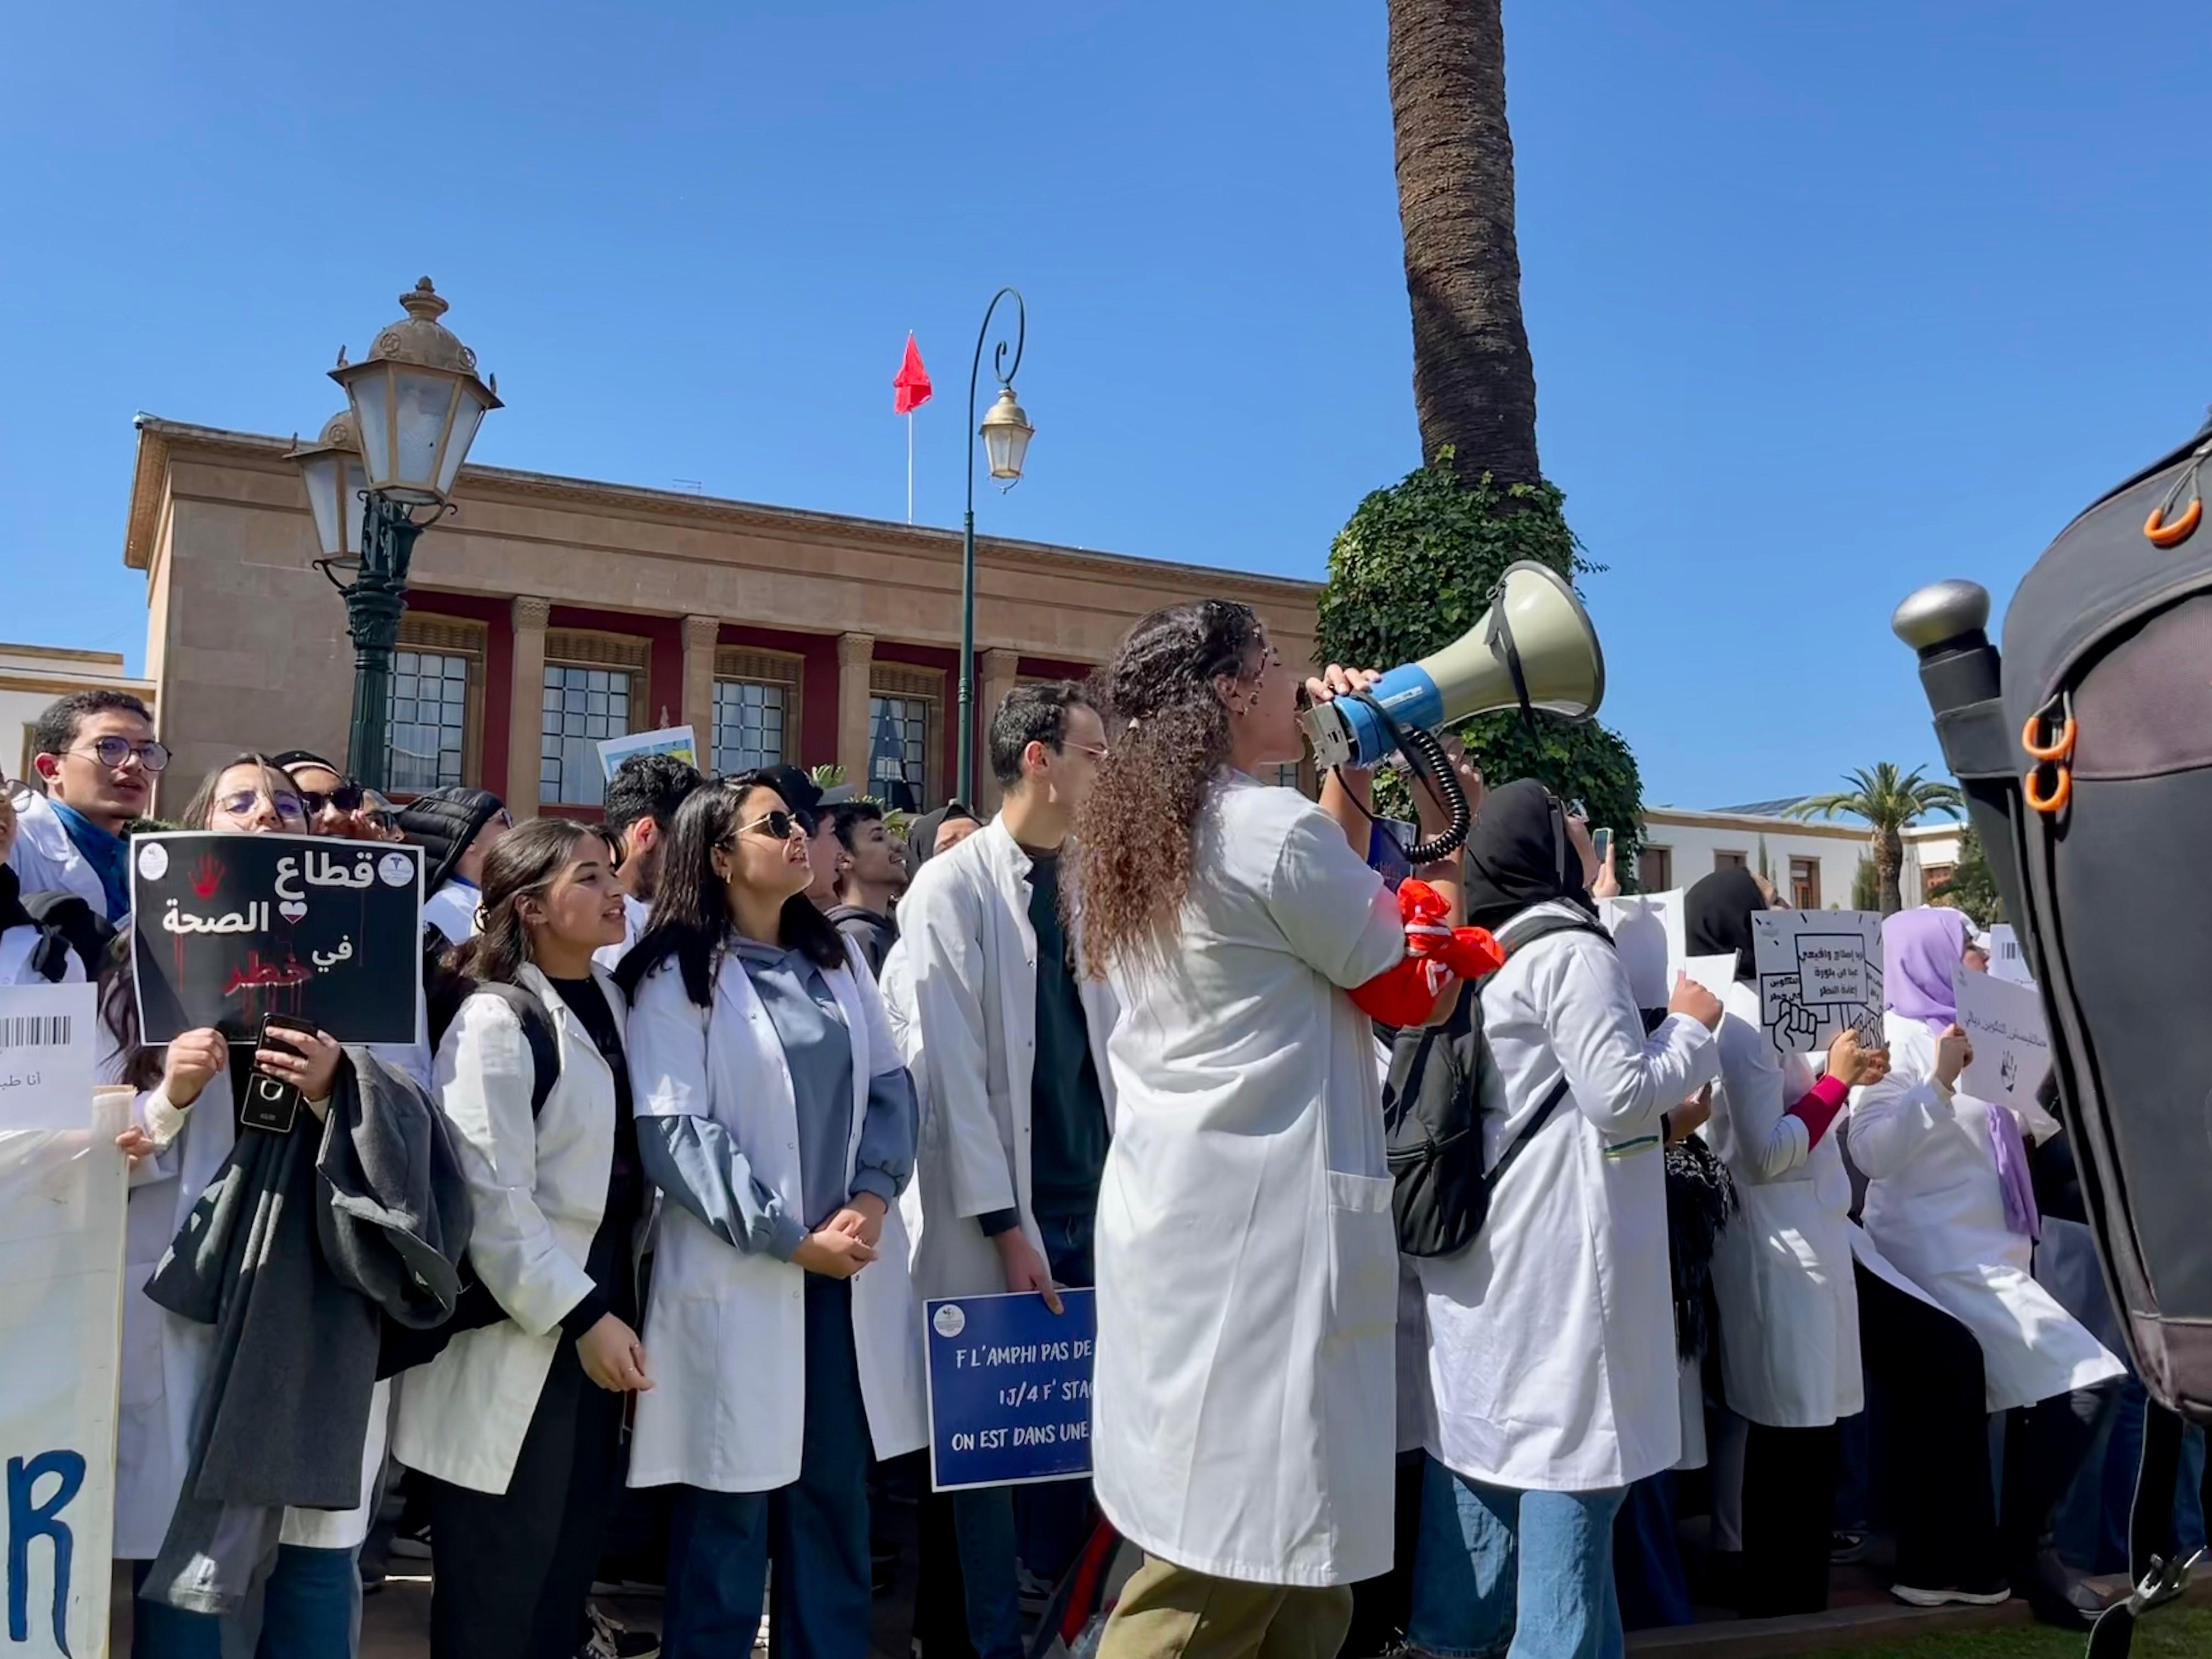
[(1246, 1258)]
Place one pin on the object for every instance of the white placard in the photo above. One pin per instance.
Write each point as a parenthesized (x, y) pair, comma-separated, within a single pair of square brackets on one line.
[(2012, 1044), (2008, 961), (1648, 932), (61, 1325), (1716, 974), (676, 740), (1820, 973), (46, 1056)]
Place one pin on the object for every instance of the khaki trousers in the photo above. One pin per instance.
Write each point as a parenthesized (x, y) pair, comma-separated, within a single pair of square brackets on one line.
[(1171, 1613)]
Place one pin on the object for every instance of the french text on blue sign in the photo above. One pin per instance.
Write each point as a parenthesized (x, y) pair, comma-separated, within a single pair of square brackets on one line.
[(1010, 1389)]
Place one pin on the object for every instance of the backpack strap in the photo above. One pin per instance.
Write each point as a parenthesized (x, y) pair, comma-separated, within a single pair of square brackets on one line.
[(536, 1031)]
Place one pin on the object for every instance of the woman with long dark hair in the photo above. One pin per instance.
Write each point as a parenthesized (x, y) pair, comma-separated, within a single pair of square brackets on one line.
[(1247, 1265), (311, 1598), (518, 1423), (776, 1115)]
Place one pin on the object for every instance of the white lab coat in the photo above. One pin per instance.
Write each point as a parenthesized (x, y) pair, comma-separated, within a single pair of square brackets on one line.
[(1935, 1206), (45, 859), (726, 1329), (1551, 1350), (165, 1359), (960, 986), (538, 1190), (452, 911), (1247, 1266), (1783, 1268)]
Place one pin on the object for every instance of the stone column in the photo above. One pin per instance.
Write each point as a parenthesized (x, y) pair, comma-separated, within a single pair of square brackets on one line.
[(700, 636), (997, 674), (525, 706), (856, 657)]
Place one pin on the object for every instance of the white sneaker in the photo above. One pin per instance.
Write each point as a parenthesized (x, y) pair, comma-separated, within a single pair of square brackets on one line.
[(1915, 1597), (611, 1639)]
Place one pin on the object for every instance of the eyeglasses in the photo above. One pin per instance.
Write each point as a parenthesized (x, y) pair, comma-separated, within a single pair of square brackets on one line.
[(112, 752), (779, 826), (1098, 751), (19, 794), (347, 798), (289, 806)]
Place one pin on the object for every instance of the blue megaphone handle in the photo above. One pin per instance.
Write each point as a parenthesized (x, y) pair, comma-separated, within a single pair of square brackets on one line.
[(1411, 698)]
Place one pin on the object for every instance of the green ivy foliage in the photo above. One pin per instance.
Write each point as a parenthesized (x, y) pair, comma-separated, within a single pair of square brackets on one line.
[(1414, 569)]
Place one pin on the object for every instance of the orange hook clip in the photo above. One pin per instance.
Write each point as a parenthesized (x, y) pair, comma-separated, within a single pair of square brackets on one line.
[(2060, 749), (2060, 792), (2162, 534)]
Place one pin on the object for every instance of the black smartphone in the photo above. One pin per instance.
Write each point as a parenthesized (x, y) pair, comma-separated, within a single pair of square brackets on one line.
[(272, 1103)]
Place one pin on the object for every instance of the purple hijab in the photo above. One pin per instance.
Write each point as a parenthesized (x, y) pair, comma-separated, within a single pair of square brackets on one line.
[(1921, 950)]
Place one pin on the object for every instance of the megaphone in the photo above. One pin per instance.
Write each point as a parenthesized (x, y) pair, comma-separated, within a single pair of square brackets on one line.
[(1533, 648)]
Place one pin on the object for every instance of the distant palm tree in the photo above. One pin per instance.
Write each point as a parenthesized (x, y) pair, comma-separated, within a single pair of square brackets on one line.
[(1890, 802)]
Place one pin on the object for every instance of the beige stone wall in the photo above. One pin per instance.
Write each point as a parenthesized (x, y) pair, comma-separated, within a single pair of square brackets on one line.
[(246, 639)]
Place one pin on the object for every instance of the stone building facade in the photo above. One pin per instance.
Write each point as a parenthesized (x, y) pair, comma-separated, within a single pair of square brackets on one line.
[(547, 613)]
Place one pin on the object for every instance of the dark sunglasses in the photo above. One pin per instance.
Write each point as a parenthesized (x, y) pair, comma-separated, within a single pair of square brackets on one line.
[(346, 797), (778, 826)]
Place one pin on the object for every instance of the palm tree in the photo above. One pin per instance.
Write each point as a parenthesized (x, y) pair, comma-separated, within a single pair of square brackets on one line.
[(1474, 386), (1890, 802)]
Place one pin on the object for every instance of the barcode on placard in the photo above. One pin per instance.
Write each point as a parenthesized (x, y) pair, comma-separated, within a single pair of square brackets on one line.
[(34, 1031)]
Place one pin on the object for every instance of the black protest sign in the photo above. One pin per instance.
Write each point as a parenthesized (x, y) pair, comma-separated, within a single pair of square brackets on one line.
[(229, 928)]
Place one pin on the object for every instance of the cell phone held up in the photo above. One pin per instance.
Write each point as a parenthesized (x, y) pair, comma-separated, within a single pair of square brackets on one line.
[(272, 1103)]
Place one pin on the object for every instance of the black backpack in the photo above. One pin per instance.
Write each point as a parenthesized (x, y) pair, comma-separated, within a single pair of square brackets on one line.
[(402, 1347), (66, 923), (1432, 1109)]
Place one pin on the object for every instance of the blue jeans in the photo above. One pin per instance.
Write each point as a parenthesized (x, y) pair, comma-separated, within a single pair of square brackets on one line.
[(719, 1540), (311, 1605), (310, 1609), (1525, 1574)]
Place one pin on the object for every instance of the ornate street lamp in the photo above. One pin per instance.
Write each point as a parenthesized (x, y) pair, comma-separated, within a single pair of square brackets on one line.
[(414, 406), (1005, 431)]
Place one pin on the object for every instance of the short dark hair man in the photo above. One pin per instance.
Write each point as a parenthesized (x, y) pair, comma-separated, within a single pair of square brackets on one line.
[(641, 803), (871, 875), (95, 753), (1009, 1043)]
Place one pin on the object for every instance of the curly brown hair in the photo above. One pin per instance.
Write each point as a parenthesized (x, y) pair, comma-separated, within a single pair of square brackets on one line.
[(1136, 835)]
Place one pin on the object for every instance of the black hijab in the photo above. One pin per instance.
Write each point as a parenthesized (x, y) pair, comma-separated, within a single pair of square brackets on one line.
[(921, 837), (1519, 853), (1717, 917)]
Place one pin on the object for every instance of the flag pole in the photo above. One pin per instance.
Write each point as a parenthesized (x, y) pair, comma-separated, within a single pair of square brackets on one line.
[(909, 466)]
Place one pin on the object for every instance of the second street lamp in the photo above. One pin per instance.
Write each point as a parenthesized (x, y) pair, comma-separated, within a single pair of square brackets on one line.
[(1005, 431), (414, 406)]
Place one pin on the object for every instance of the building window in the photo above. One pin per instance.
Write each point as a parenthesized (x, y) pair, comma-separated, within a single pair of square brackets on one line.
[(1805, 883), (1731, 861), (1655, 869), (582, 706), (750, 726), (898, 750), (1935, 878), (1286, 777), (905, 735), (425, 720)]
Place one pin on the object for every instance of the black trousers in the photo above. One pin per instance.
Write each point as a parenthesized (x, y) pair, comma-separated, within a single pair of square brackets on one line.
[(2045, 1445), (1789, 1516), (513, 1570), (1935, 1450)]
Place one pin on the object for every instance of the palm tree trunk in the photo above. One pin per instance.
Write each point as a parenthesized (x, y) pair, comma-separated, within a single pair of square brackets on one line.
[(1474, 386), (1888, 861)]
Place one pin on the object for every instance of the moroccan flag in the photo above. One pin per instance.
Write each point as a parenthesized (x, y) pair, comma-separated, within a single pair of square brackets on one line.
[(910, 387)]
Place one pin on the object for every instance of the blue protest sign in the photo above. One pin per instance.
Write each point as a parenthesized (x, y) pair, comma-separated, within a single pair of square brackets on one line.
[(1010, 1389)]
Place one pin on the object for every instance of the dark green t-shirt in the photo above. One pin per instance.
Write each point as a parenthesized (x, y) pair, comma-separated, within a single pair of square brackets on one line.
[(1067, 1110)]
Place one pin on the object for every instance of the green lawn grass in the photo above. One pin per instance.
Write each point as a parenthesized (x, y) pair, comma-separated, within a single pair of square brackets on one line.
[(2173, 1633)]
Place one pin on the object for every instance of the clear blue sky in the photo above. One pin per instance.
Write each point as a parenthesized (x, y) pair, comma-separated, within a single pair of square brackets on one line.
[(1825, 301)]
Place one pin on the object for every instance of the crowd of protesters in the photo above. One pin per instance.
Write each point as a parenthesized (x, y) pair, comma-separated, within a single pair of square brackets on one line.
[(711, 1094)]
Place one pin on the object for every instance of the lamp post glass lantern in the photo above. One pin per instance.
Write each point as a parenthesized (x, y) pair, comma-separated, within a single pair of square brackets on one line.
[(414, 406), (1005, 431)]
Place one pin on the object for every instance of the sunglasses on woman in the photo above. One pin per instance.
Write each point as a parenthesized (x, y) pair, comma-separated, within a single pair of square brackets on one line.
[(289, 807), (346, 797), (777, 826)]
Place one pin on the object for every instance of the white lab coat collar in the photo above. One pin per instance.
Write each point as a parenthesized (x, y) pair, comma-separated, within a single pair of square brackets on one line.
[(45, 859)]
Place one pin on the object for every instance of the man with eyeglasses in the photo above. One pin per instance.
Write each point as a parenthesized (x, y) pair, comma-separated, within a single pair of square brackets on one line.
[(97, 759), (1008, 1041)]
